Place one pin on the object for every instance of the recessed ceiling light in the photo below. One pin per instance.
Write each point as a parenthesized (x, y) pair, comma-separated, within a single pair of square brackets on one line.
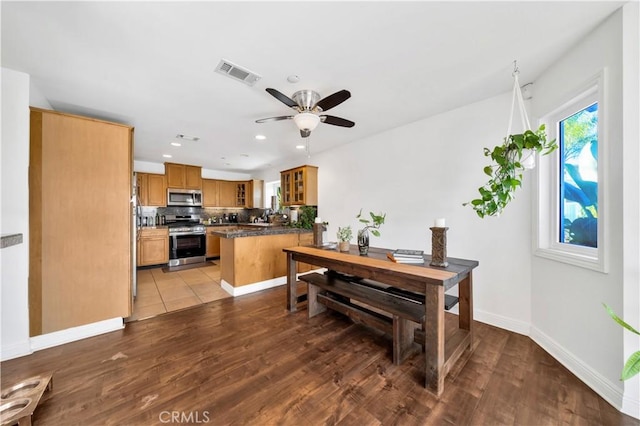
[(187, 137), (300, 147), (244, 155), (261, 137), (176, 144), (293, 78), (167, 155)]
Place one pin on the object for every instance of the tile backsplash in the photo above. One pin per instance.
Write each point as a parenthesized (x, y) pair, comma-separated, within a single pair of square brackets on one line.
[(205, 213)]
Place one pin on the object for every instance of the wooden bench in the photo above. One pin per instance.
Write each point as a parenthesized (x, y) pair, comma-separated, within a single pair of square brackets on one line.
[(342, 293)]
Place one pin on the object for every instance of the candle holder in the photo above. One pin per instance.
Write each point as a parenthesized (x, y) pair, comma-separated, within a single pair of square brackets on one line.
[(318, 229), (439, 247)]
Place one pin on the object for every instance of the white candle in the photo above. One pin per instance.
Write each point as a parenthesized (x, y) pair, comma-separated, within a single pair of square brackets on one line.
[(318, 220), (439, 223)]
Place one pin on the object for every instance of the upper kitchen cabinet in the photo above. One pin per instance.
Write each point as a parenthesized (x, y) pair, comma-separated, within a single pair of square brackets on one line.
[(210, 193), (242, 192), (256, 191), (183, 176), (227, 195), (152, 189), (299, 186), (80, 221)]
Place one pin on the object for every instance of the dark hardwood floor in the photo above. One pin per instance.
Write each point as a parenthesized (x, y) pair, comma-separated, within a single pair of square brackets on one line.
[(246, 361)]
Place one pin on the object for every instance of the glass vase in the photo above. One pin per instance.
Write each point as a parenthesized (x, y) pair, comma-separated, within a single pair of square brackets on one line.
[(363, 241)]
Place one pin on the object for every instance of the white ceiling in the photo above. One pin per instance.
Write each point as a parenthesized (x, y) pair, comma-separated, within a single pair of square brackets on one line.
[(151, 65)]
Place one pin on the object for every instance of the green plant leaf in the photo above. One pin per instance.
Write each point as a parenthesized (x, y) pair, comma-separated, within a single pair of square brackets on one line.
[(631, 367), (375, 232), (619, 320), (488, 170)]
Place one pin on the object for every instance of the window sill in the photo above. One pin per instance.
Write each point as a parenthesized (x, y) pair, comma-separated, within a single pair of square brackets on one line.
[(575, 259)]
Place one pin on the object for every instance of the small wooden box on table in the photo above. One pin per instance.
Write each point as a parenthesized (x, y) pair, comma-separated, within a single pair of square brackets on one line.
[(428, 283)]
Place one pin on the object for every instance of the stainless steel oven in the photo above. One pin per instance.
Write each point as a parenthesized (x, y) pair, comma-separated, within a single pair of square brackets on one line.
[(187, 240)]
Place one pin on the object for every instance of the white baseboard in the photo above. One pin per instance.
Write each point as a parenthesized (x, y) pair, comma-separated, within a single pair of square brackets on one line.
[(601, 385), (61, 337), (15, 350), (631, 406), (252, 288), (500, 321), (262, 285)]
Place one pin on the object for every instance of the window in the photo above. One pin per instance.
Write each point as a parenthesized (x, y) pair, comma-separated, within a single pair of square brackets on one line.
[(272, 195), (571, 214), (578, 144)]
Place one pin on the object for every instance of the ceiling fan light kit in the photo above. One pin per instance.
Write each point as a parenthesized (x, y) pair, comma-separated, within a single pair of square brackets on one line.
[(306, 121), (309, 106)]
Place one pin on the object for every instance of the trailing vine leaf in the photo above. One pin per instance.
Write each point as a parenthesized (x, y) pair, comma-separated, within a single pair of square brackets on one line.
[(506, 171), (632, 366)]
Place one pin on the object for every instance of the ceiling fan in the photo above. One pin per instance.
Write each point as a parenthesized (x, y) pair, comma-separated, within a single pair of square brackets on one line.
[(310, 108)]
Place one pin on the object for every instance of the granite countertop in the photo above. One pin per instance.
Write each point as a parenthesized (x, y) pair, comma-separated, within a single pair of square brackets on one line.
[(250, 230), (257, 225)]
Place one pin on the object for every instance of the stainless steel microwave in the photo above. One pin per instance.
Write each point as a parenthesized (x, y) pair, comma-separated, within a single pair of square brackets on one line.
[(184, 197)]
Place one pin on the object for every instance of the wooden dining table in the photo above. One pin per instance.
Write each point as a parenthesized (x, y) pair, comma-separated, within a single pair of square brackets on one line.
[(423, 279)]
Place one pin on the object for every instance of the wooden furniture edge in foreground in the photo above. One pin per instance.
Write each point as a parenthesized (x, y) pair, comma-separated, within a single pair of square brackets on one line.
[(18, 402), (430, 281)]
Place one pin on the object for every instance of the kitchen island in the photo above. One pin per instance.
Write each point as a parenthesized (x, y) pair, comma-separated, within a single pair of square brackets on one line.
[(251, 256)]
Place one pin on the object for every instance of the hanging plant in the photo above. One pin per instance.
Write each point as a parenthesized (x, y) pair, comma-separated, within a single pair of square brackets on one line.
[(506, 171), (510, 159)]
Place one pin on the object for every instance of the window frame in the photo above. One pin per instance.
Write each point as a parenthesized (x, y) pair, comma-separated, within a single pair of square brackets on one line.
[(548, 177)]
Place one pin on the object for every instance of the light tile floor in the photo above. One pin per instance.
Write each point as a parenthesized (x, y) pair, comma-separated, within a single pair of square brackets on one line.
[(160, 292)]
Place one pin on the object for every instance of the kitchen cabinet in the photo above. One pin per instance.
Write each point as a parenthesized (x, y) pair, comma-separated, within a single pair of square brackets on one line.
[(255, 200), (152, 189), (210, 192), (305, 240), (227, 193), (153, 246), (80, 221), (213, 244), (242, 190), (183, 176), (299, 186)]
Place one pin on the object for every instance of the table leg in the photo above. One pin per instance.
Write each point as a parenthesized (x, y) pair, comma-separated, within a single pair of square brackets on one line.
[(292, 289), (465, 294), (434, 339), (314, 307)]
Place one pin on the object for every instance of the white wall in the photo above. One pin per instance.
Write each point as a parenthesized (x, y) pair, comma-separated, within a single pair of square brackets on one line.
[(426, 170), (151, 167), (14, 157), (568, 319), (631, 193)]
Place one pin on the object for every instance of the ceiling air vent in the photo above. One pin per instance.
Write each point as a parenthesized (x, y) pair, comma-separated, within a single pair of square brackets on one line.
[(237, 73)]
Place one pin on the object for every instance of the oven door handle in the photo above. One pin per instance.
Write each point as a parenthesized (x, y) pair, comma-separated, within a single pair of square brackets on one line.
[(182, 234)]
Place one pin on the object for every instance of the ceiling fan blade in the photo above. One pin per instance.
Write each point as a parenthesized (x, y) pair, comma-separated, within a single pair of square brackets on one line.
[(305, 133), (282, 117), (333, 100), (337, 121), (282, 98)]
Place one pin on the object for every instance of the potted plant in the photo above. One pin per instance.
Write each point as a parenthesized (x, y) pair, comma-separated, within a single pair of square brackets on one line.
[(306, 217), (509, 161), (344, 237), (632, 366), (363, 234)]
